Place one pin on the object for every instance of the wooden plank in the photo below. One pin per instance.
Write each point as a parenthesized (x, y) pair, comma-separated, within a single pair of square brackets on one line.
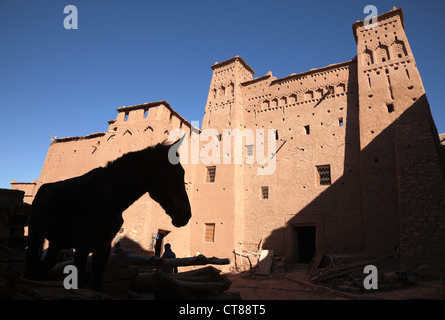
[(179, 262), (265, 262), (315, 262)]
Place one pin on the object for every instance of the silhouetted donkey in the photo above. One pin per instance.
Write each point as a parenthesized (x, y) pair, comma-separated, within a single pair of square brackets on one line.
[(85, 212)]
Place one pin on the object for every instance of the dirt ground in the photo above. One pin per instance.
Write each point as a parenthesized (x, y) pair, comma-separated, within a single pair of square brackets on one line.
[(295, 285)]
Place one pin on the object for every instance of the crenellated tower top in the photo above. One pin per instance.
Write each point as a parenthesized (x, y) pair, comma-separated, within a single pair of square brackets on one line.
[(224, 101)]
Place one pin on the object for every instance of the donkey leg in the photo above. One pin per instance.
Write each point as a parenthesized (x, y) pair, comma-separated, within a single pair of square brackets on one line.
[(50, 259), (80, 262), (100, 259), (33, 253)]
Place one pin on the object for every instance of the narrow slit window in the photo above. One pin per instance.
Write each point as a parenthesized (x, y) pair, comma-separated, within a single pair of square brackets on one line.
[(407, 73), (324, 175), (340, 122), (209, 233), (126, 116), (211, 174), (264, 192), (306, 129), (145, 113)]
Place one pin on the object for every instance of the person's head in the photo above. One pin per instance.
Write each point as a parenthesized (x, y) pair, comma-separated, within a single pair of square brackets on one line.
[(167, 246)]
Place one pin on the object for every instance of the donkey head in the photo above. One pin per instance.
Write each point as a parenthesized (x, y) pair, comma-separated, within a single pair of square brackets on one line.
[(169, 189)]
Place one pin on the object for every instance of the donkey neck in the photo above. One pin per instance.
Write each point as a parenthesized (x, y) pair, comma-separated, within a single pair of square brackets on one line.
[(131, 176)]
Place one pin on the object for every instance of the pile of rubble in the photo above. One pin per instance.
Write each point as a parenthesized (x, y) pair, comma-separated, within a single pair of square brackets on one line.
[(350, 276), (14, 214)]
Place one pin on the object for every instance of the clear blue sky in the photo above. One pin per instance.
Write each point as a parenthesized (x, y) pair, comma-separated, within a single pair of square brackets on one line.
[(58, 82)]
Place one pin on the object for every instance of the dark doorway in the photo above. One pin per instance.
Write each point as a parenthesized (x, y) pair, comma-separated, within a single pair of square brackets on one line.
[(160, 241), (305, 243)]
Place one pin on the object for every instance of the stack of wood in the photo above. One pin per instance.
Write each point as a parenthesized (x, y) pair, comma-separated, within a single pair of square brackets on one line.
[(14, 214), (205, 283), (131, 276)]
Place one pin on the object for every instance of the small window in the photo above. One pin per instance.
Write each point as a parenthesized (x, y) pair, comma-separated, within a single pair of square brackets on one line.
[(306, 128), (340, 122), (211, 174), (249, 149), (324, 175), (276, 134), (145, 113), (390, 107), (126, 116), (209, 233), (264, 192)]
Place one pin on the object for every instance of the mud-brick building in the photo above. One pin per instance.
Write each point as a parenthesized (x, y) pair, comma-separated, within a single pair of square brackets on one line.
[(358, 164)]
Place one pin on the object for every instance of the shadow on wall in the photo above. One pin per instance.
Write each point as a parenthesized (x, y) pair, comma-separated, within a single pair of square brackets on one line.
[(392, 194)]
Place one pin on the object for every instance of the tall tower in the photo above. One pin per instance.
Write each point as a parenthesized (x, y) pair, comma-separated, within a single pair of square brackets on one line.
[(401, 168), (218, 219), (388, 81)]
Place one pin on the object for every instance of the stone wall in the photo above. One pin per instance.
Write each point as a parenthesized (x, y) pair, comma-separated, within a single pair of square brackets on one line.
[(14, 215)]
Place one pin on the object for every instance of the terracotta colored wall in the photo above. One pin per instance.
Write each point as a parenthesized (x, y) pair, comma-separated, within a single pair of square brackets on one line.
[(326, 101), (27, 187)]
